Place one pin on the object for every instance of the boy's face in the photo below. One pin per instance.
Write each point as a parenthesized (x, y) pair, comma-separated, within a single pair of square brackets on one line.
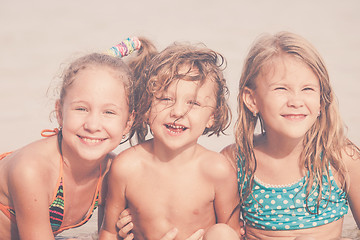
[(180, 114)]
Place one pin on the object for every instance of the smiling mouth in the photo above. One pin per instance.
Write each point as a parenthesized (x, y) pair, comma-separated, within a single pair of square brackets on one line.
[(175, 128), (294, 116), (92, 140)]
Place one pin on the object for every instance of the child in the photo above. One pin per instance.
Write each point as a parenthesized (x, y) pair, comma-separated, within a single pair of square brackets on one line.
[(170, 181), (298, 176), (61, 175)]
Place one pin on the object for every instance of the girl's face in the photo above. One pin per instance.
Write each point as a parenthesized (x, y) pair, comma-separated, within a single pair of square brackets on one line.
[(94, 115), (287, 97), (180, 114)]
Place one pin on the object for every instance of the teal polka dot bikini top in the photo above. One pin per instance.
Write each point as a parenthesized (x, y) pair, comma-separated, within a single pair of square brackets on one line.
[(284, 207)]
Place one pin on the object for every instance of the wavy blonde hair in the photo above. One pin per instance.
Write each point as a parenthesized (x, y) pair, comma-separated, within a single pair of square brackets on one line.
[(323, 142)]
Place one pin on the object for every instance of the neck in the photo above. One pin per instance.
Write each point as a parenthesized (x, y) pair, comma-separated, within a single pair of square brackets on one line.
[(182, 155), (281, 148), (78, 169)]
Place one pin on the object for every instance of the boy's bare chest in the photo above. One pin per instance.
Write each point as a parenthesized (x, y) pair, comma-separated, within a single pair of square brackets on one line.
[(171, 194)]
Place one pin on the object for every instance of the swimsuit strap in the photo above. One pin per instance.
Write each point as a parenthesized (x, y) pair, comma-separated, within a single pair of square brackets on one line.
[(53, 132), (91, 209), (57, 207), (3, 155), (8, 211), (49, 132)]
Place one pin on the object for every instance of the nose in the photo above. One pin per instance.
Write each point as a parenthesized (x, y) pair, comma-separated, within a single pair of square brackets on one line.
[(295, 101), (178, 109), (92, 122)]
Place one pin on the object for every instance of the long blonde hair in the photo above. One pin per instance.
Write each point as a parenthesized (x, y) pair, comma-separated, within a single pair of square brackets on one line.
[(323, 142)]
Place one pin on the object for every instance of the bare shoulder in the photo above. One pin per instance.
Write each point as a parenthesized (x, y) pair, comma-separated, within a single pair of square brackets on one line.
[(351, 158), (229, 151), (36, 164), (130, 160), (216, 165), (41, 156)]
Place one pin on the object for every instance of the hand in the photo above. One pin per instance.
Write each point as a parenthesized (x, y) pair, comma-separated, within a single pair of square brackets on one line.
[(173, 232), (242, 229), (125, 225)]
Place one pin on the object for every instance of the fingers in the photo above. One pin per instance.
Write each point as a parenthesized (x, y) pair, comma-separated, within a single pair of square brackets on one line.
[(173, 232), (125, 225), (197, 235), (129, 236), (170, 235), (125, 213), (242, 228), (124, 232)]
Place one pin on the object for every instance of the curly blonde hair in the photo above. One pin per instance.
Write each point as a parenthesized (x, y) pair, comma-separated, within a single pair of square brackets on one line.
[(157, 71)]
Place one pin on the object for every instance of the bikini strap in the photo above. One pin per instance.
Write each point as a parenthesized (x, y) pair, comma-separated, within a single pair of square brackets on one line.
[(53, 132), (50, 132)]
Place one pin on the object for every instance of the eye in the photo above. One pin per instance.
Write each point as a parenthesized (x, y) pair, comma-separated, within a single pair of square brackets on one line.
[(308, 89), (82, 109), (165, 99), (193, 102), (280, 88), (110, 112)]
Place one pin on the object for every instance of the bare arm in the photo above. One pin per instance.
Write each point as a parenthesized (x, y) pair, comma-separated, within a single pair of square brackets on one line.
[(353, 167), (115, 201), (31, 201), (227, 197), (125, 225), (101, 207), (229, 153)]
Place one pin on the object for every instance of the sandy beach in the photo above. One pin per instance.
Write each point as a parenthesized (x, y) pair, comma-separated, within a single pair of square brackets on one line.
[(37, 37)]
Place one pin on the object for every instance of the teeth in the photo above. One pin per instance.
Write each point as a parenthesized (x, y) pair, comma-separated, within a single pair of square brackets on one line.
[(176, 126), (91, 140), (295, 116)]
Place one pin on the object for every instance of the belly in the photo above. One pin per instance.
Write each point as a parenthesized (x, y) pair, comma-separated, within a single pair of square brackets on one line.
[(184, 201), (155, 223), (325, 232)]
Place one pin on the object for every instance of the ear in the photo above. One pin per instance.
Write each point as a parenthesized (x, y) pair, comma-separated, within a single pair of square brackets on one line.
[(211, 121), (129, 123), (58, 112), (250, 100)]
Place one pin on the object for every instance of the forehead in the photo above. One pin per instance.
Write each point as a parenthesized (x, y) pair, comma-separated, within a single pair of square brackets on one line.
[(95, 82), (192, 87), (186, 72), (287, 69)]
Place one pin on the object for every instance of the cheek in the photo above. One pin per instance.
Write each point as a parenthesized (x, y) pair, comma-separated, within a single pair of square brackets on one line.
[(115, 129), (314, 102), (71, 121), (117, 126), (155, 112)]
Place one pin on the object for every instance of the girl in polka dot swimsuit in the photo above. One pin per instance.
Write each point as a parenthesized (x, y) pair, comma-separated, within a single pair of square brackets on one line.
[(299, 174)]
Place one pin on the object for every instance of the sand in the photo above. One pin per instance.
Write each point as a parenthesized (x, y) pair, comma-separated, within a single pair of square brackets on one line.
[(37, 37)]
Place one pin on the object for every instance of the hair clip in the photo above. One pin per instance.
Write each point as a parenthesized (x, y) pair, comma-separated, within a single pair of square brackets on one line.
[(125, 47)]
